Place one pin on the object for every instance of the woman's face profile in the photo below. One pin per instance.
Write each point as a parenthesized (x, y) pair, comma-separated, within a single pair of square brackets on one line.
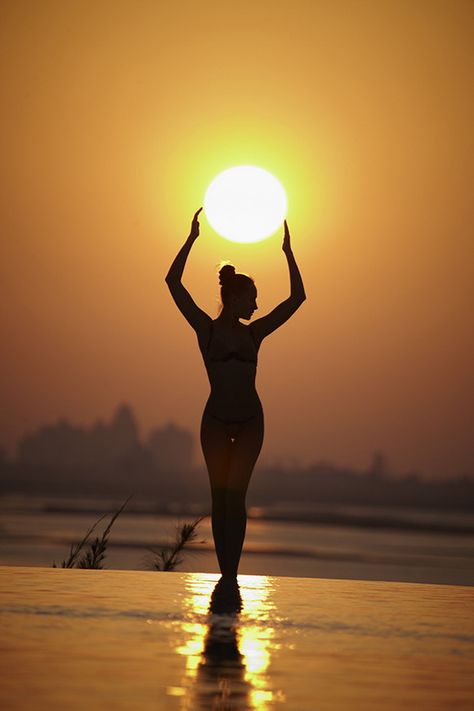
[(246, 303)]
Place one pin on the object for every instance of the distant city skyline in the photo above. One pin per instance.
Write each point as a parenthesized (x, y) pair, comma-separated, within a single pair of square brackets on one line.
[(109, 459), (65, 443), (171, 446)]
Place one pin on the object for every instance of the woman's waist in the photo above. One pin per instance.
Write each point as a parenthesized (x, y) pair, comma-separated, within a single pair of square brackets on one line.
[(243, 383), (233, 369)]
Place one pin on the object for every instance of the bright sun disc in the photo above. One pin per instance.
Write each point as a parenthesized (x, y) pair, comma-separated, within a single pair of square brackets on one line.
[(245, 204)]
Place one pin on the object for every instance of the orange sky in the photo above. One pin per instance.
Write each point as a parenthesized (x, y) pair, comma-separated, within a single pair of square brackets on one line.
[(116, 116)]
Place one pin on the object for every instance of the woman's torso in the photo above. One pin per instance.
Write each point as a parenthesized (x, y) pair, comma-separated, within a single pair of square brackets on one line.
[(230, 357)]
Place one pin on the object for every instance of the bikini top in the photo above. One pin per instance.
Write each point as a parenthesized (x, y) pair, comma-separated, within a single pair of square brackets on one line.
[(219, 353)]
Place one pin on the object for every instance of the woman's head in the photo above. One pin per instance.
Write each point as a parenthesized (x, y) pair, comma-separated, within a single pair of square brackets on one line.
[(238, 291)]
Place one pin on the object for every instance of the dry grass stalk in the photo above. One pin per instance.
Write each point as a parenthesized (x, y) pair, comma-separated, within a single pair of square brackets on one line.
[(169, 558), (95, 555)]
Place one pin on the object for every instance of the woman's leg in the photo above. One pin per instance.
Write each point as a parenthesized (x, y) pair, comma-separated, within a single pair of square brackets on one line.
[(216, 447), (244, 454)]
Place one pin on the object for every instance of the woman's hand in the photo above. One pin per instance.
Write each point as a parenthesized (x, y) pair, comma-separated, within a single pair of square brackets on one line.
[(195, 226), (286, 246)]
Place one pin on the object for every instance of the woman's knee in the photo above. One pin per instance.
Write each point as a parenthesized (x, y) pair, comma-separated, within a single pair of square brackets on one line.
[(219, 498), (235, 500), (228, 500)]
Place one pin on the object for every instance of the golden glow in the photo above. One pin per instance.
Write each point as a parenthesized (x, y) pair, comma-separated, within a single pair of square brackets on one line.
[(255, 646), (192, 647), (207, 150), (227, 655), (109, 152), (245, 204)]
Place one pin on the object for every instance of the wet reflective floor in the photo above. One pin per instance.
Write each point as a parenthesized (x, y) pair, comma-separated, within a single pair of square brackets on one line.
[(76, 639)]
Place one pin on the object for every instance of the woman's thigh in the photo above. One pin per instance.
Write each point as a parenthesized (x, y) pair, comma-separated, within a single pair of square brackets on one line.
[(231, 450), (245, 452), (216, 447)]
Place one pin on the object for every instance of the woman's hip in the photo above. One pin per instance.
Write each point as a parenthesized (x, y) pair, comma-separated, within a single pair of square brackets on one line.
[(231, 425)]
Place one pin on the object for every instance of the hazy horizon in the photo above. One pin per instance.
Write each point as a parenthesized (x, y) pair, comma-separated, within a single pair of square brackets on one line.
[(171, 439)]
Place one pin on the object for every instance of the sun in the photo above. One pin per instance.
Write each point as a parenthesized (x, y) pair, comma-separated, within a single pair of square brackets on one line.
[(245, 204)]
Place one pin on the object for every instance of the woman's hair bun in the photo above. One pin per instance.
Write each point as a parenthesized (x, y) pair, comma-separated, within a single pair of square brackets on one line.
[(226, 273)]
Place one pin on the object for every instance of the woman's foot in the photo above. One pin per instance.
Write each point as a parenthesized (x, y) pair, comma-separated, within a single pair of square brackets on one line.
[(226, 596), (228, 580)]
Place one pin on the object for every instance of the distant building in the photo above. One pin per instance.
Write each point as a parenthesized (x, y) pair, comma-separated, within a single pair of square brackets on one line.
[(171, 448), (379, 466), (53, 445), (65, 445)]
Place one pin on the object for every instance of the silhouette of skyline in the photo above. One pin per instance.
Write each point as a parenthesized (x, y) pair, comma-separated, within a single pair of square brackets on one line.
[(109, 459), (63, 444)]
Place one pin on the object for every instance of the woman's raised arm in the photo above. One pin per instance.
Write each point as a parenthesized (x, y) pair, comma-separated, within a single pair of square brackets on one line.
[(176, 270), (297, 292), (261, 327), (195, 316)]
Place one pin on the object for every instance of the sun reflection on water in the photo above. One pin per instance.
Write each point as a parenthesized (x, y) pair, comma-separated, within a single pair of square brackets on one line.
[(227, 648)]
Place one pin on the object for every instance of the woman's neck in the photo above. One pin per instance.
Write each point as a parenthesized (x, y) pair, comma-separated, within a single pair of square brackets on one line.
[(229, 318)]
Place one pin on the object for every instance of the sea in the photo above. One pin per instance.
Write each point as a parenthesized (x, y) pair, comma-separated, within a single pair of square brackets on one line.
[(325, 541)]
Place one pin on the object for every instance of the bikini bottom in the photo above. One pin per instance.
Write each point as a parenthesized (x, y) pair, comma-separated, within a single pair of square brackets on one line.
[(233, 427)]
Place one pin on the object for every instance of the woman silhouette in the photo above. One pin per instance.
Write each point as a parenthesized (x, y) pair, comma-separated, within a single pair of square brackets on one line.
[(232, 424)]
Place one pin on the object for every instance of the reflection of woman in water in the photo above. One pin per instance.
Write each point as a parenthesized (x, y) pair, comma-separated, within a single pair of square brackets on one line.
[(221, 674), (232, 424)]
